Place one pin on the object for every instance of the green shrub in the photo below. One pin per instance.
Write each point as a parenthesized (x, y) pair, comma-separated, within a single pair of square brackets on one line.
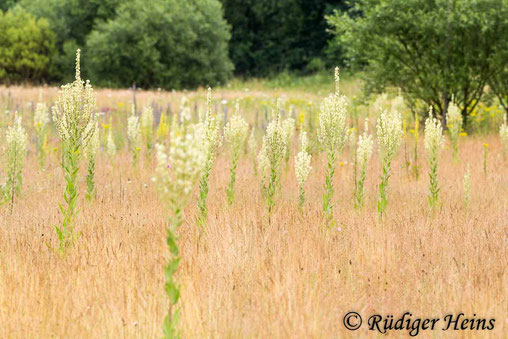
[(72, 21), (26, 47), (167, 44)]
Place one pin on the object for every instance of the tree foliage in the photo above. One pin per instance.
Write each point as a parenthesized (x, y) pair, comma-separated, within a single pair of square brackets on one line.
[(72, 21), (167, 44), (26, 47), (272, 36), (434, 50), (6, 4)]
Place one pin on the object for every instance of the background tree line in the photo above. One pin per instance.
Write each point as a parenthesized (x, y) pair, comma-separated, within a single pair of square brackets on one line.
[(163, 43), (435, 51)]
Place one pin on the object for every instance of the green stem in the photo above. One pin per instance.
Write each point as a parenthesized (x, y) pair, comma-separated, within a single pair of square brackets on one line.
[(301, 198), (231, 188), (383, 187), (360, 191), (203, 193), (70, 166), (328, 194), (433, 186), (171, 286), (90, 181)]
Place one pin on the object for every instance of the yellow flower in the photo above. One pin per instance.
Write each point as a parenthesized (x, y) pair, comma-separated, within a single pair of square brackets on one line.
[(463, 134), (341, 163), (485, 145)]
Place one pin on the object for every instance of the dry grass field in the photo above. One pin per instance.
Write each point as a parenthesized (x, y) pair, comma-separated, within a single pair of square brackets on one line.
[(247, 275)]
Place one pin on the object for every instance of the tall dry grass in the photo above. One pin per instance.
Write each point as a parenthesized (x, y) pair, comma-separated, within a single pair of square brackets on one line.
[(250, 276)]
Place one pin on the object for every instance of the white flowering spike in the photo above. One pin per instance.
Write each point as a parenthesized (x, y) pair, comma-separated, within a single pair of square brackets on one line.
[(263, 162), (365, 145), (275, 140), (41, 116), (95, 142), (302, 161), (363, 154), (16, 140), (288, 125), (454, 124), (332, 135), (185, 112), (302, 167), (304, 141), (332, 132), (134, 136), (73, 112), (434, 143), (454, 118), (503, 130), (274, 149), (146, 125), (389, 136), (253, 144), (503, 133), (178, 169), (389, 133), (235, 132), (210, 129), (110, 145), (434, 139)]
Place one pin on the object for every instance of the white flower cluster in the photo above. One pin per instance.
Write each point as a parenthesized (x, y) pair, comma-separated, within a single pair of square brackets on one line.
[(110, 144), (41, 116), (389, 133), (147, 117), (16, 139), (288, 125), (253, 144), (274, 141), (185, 112), (302, 160), (454, 120), (133, 132), (178, 170), (365, 144), (95, 142), (73, 112), (332, 132), (146, 124), (503, 131), (210, 128), (235, 133), (434, 138), (263, 161), (398, 104)]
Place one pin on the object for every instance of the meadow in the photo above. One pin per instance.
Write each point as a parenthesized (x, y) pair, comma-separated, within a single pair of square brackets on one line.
[(250, 269)]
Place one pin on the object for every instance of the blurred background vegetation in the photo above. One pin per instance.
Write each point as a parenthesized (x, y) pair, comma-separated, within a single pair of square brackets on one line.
[(432, 51)]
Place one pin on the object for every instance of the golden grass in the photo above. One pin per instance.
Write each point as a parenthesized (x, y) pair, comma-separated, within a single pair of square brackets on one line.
[(249, 276)]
